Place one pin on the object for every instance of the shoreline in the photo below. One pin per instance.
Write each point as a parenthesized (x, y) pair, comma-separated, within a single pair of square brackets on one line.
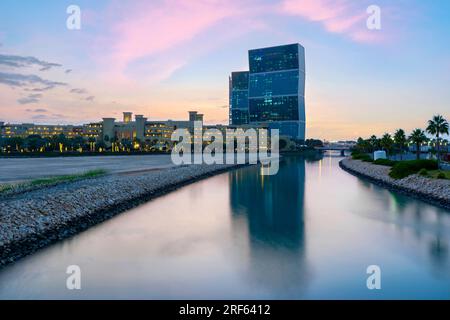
[(432, 191), (60, 221)]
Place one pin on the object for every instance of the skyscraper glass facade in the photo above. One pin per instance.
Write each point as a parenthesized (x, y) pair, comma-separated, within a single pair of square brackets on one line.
[(277, 88), (239, 98), (273, 91)]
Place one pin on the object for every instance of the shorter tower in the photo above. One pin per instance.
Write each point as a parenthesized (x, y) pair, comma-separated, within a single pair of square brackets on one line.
[(108, 130), (140, 126), (127, 117), (192, 116)]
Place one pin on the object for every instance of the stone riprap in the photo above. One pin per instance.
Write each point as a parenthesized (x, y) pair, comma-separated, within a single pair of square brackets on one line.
[(37, 218), (434, 191)]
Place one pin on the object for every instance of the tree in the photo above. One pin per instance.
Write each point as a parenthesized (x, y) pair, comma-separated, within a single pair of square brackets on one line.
[(438, 126), (127, 144), (114, 142), (386, 142), (312, 143), (77, 142), (16, 142), (61, 142), (3, 143), (400, 141), (101, 146), (363, 145), (137, 144), (91, 141), (418, 137), (34, 142), (374, 143)]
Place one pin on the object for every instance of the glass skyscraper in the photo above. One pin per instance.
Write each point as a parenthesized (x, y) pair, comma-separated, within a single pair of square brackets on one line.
[(276, 90), (239, 98)]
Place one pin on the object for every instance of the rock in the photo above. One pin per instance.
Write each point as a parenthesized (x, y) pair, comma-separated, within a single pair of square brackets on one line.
[(434, 191)]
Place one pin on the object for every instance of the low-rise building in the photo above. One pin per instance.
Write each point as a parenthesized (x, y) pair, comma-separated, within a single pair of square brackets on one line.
[(28, 129), (129, 133)]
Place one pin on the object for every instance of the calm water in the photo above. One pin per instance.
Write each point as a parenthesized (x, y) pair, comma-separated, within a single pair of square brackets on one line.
[(308, 232)]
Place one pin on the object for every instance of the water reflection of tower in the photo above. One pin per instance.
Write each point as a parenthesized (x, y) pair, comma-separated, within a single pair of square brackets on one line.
[(272, 207)]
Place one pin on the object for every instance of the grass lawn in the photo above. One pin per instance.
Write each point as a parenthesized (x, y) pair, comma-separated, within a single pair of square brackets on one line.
[(434, 173), (54, 180)]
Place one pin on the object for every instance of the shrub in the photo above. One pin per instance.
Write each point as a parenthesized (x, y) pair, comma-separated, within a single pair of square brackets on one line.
[(441, 175), (403, 169), (423, 172), (362, 156), (356, 155), (385, 162)]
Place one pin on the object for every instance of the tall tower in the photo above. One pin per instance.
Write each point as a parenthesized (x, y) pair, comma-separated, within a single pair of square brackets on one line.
[(238, 95), (276, 93)]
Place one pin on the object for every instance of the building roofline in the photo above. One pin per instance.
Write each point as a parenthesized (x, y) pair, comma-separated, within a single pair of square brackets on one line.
[(281, 45)]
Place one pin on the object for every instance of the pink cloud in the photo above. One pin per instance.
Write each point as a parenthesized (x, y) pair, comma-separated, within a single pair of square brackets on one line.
[(156, 38), (152, 27), (337, 16)]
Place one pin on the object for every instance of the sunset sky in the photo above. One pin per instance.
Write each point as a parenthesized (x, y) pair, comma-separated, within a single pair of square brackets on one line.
[(164, 58)]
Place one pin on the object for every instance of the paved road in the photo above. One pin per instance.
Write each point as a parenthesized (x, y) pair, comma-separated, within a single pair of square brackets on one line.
[(20, 169)]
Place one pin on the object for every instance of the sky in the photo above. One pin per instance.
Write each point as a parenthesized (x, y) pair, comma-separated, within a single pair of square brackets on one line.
[(162, 58)]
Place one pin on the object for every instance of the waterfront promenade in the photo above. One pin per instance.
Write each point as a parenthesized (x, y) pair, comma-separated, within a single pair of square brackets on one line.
[(21, 169)]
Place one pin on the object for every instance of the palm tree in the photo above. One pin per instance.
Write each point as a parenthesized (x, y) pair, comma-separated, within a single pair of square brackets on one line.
[(61, 142), (386, 142), (91, 141), (127, 144), (77, 142), (100, 146), (2, 143), (374, 142), (114, 142), (400, 141), (438, 126), (16, 142), (34, 143), (418, 137)]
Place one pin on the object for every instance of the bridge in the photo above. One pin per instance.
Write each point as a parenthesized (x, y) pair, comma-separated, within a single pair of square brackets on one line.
[(341, 148)]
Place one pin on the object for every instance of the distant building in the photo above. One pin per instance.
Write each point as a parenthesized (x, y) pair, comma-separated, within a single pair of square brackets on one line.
[(195, 116), (108, 131), (28, 129), (275, 91)]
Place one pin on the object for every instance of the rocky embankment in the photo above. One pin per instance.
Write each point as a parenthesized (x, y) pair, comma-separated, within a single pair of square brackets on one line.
[(37, 218), (434, 191)]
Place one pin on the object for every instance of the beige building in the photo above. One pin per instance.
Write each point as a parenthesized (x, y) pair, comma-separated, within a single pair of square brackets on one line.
[(135, 132)]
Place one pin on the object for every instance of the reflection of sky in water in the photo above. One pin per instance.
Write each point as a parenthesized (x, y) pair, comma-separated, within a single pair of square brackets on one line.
[(308, 232)]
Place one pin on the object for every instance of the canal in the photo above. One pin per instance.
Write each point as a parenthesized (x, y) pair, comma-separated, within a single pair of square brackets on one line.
[(309, 232)]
